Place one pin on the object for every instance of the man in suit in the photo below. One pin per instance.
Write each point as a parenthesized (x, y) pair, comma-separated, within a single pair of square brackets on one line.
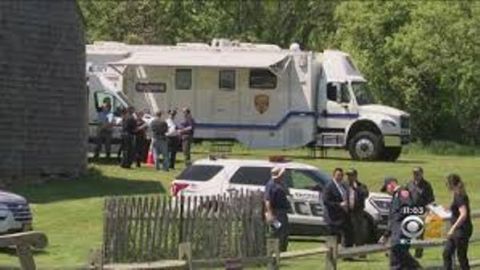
[(356, 194), (336, 206)]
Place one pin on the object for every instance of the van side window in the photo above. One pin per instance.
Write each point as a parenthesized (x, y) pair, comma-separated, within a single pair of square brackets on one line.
[(226, 80), (100, 97), (262, 79), (183, 79), (331, 92), (251, 176), (304, 179)]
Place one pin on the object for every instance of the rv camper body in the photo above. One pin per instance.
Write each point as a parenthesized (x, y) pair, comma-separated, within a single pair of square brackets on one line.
[(261, 95)]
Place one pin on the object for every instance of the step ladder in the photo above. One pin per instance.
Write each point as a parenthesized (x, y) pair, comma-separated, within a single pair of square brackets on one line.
[(324, 141)]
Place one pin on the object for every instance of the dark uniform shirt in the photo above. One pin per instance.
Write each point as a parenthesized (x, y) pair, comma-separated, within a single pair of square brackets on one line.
[(422, 193), (465, 229), (361, 193), (190, 123), (129, 125), (159, 129), (400, 200), (276, 194)]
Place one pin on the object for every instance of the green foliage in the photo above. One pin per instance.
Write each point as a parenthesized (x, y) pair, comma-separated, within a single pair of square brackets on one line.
[(420, 56), (148, 21), (442, 148)]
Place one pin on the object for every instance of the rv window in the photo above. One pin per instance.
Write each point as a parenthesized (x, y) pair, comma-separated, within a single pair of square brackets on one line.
[(226, 80), (183, 79), (262, 79), (331, 92)]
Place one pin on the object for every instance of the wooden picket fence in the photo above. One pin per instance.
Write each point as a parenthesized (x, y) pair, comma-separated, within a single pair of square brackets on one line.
[(151, 228)]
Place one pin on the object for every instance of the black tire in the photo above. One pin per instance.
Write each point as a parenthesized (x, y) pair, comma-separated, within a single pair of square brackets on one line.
[(365, 145), (391, 153)]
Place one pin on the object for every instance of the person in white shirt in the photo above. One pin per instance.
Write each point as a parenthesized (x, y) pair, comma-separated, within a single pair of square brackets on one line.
[(104, 129), (172, 138)]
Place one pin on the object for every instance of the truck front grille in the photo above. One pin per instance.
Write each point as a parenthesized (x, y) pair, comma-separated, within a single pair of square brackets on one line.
[(404, 122)]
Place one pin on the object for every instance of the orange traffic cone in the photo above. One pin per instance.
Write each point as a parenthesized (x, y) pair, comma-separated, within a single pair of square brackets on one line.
[(150, 158)]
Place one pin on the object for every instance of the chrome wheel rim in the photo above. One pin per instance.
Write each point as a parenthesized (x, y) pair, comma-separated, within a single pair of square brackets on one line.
[(364, 148)]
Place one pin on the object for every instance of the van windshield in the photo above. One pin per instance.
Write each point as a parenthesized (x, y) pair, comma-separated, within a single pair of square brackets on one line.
[(362, 93)]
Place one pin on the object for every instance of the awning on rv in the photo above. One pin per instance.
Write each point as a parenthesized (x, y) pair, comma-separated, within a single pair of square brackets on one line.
[(232, 59)]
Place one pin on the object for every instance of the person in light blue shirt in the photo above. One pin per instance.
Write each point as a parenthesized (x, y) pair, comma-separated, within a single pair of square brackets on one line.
[(104, 129)]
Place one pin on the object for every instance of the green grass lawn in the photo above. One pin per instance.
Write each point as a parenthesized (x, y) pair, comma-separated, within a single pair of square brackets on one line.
[(70, 212)]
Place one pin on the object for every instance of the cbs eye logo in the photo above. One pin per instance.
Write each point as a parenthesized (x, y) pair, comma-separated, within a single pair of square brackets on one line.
[(412, 226)]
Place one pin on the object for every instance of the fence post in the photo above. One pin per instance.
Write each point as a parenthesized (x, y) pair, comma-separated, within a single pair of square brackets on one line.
[(25, 256), (273, 254), (332, 253), (185, 253)]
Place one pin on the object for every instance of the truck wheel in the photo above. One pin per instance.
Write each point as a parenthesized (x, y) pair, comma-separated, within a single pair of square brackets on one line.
[(391, 153), (365, 145)]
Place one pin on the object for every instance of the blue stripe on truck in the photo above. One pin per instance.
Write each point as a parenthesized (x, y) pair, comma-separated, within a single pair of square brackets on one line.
[(277, 125)]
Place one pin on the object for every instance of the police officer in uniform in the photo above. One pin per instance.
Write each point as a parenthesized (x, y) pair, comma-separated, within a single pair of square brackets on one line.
[(422, 195), (129, 126), (462, 228), (277, 206), (400, 258)]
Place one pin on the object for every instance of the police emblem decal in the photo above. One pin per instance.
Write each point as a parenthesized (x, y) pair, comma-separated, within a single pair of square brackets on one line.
[(262, 102)]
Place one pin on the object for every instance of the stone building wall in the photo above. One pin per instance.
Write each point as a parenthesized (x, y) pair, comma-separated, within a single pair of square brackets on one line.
[(43, 98)]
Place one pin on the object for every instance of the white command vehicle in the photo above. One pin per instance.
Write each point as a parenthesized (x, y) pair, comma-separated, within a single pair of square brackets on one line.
[(258, 94), (305, 183)]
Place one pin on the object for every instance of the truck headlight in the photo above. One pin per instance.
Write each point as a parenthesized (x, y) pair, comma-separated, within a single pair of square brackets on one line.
[(381, 204), (388, 123)]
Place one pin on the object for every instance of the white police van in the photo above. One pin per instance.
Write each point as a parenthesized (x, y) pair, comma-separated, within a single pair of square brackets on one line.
[(209, 177)]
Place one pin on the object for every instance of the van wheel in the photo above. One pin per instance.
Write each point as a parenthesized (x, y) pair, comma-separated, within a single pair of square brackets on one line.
[(365, 145), (391, 153)]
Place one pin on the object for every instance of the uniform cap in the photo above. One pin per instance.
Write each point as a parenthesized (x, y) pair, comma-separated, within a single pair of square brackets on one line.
[(418, 169), (351, 171), (386, 182), (277, 172)]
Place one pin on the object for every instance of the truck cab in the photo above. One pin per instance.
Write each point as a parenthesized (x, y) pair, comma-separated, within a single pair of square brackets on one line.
[(347, 117)]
